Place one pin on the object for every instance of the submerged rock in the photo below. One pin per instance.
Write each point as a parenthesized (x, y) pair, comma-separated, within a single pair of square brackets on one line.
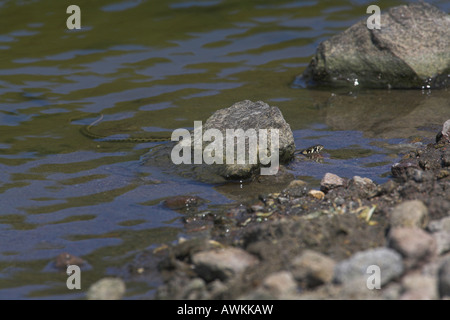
[(410, 50)]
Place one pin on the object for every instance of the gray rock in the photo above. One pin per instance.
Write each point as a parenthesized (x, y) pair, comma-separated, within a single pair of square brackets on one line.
[(331, 181), (444, 134), (398, 169), (313, 268), (355, 269), (442, 239), (411, 213), (410, 50), (107, 289), (415, 245), (247, 115), (444, 279), (439, 225), (222, 264)]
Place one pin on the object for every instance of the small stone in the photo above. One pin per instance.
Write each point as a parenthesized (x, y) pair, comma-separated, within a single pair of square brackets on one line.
[(313, 268), (222, 264), (415, 245), (65, 259), (439, 225), (412, 213), (257, 207), (280, 283), (339, 201), (442, 239), (316, 194), (296, 184), (419, 287), (444, 279), (362, 181), (444, 134), (400, 168), (355, 269), (182, 202), (331, 181), (107, 289)]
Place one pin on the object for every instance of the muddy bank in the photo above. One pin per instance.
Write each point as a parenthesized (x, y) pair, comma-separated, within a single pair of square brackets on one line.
[(300, 243)]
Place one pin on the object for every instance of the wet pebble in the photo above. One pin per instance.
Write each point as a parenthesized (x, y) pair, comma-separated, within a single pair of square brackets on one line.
[(107, 289), (313, 268), (222, 264), (182, 202), (354, 270), (331, 181), (415, 245), (411, 213), (65, 259)]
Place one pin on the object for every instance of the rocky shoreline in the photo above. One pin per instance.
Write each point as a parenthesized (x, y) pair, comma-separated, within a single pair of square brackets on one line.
[(321, 244)]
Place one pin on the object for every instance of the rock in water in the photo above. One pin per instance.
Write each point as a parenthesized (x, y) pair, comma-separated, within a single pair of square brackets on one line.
[(245, 116), (248, 115), (410, 50)]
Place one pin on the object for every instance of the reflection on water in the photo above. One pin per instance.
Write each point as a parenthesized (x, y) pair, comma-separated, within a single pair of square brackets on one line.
[(158, 66)]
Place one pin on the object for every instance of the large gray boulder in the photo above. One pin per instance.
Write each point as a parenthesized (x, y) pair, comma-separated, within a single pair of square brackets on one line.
[(410, 50)]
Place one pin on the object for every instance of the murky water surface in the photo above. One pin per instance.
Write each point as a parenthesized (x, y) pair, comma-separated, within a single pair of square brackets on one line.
[(156, 66)]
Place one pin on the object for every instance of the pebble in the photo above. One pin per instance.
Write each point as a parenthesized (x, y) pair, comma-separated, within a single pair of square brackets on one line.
[(400, 168), (415, 245), (442, 239), (313, 268), (316, 194), (280, 283), (444, 135), (297, 183), (331, 181), (182, 202), (222, 264), (444, 279), (419, 287), (355, 269), (107, 289), (365, 182), (65, 259), (411, 213), (439, 225)]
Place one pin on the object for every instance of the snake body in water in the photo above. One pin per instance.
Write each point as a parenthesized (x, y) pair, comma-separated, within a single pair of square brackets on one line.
[(86, 131)]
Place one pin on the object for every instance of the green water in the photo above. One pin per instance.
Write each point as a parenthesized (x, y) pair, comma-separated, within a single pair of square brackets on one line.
[(156, 66)]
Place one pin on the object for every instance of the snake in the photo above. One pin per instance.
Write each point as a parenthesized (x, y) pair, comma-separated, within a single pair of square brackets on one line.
[(311, 150), (86, 131)]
